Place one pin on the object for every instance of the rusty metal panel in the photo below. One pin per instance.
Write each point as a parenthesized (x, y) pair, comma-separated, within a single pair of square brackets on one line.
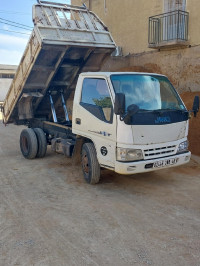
[(65, 40)]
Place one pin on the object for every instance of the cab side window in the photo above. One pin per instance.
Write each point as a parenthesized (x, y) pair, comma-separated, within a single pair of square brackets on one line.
[(96, 99)]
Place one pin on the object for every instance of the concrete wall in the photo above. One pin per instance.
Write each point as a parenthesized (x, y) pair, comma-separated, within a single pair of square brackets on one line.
[(5, 82), (4, 87), (1, 116), (181, 66)]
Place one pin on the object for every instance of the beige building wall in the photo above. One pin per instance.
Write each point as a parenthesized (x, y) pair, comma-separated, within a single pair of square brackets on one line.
[(1, 117), (128, 23), (6, 76), (128, 20)]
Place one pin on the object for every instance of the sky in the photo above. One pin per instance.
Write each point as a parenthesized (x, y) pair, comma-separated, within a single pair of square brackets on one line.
[(13, 40)]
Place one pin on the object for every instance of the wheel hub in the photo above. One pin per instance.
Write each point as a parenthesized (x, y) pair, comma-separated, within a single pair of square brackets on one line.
[(85, 164)]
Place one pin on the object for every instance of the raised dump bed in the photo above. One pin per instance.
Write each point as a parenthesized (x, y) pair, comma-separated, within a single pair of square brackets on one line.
[(66, 40)]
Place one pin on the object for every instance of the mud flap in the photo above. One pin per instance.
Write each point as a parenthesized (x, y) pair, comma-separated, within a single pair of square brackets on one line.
[(76, 156)]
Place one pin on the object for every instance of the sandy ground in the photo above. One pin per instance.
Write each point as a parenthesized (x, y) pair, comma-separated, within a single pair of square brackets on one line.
[(50, 216)]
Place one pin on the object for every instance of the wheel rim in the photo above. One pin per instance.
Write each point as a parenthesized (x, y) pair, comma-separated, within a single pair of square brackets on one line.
[(85, 164), (25, 144)]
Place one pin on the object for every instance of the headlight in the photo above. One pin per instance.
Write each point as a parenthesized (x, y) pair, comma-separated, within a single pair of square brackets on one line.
[(129, 154), (183, 146)]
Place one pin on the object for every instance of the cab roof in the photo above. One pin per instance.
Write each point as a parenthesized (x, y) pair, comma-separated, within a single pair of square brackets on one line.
[(108, 74)]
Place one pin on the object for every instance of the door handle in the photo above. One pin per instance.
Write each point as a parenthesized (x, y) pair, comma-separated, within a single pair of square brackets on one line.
[(78, 121)]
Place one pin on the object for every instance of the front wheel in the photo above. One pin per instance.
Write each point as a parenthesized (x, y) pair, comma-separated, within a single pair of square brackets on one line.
[(90, 164)]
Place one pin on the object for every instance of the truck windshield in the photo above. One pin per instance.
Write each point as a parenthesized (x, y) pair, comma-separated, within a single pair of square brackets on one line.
[(148, 92)]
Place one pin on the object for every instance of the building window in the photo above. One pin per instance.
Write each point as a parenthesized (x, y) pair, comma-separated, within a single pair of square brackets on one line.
[(6, 76), (171, 27), (172, 5)]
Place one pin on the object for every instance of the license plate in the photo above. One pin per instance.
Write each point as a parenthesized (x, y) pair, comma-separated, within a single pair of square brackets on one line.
[(163, 163)]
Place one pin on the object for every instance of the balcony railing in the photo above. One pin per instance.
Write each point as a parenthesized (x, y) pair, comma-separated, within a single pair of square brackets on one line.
[(168, 29)]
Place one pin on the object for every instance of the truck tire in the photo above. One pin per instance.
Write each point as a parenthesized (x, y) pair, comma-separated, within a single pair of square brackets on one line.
[(28, 143), (90, 164), (42, 142)]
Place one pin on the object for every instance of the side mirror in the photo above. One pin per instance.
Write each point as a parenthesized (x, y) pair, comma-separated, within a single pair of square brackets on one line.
[(195, 107), (119, 106)]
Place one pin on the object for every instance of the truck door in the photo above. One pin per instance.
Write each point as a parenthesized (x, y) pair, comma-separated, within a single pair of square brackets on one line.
[(94, 118)]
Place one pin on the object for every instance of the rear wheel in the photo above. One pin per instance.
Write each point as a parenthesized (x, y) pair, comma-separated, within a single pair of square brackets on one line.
[(28, 143), (90, 164), (42, 142)]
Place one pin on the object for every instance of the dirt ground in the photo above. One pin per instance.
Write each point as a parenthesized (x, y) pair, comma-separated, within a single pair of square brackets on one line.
[(50, 216)]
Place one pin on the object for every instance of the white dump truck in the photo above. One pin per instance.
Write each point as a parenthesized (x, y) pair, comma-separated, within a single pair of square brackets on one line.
[(123, 121)]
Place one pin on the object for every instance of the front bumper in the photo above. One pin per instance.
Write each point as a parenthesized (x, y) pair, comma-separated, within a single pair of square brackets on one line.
[(129, 168)]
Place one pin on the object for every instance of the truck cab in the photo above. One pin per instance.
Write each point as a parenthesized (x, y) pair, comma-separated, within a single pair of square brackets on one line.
[(137, 122)]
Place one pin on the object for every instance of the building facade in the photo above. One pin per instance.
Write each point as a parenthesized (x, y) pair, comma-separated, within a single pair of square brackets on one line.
[(155, 36), (7, 73)]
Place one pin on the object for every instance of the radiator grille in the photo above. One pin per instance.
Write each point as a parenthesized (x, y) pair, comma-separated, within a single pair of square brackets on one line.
[(159, 152)]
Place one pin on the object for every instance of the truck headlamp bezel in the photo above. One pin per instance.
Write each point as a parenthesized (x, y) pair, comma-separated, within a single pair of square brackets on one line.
[(129, 155), (183, 146)]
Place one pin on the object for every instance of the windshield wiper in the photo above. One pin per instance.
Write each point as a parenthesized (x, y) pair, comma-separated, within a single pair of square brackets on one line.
[(159, 111), (144, 110)]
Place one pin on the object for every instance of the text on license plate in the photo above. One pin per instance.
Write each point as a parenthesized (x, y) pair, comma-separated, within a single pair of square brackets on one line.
[(163, 163)]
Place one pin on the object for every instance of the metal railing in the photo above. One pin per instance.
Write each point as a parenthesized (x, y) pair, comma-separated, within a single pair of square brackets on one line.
[(167, 27)]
